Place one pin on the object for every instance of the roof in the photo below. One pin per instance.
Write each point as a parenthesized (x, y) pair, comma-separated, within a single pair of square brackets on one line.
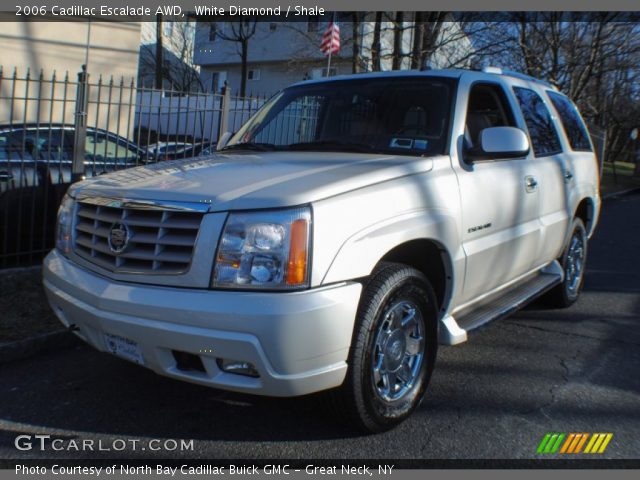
[(452, 73), (388, 74)]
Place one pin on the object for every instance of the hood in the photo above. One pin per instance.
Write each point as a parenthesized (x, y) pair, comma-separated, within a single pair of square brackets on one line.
[(253, 180)]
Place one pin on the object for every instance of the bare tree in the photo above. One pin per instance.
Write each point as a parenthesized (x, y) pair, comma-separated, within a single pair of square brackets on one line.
[(172, 60), (594, 60), (183, 72), (240, 32), (158, 59), (355, 38), (375, 43), (440, 39), (398, 33), (427, 28)]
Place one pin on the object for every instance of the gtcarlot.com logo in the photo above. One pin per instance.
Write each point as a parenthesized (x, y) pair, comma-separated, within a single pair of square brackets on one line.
[(46, 442), (574, 443)]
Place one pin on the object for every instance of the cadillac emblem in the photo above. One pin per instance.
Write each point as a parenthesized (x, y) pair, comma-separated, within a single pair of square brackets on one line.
[(118, 238)]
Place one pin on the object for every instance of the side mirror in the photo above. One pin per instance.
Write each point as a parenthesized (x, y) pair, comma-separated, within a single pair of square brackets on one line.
[(500, 143), (224, 139)]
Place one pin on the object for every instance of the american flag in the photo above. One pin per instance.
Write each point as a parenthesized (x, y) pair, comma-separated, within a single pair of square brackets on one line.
[(331, 39)]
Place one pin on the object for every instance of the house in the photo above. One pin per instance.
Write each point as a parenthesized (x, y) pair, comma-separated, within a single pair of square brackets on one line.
[(281, 53)]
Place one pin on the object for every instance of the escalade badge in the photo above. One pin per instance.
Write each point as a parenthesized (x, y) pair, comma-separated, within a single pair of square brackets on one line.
[(118, 238)]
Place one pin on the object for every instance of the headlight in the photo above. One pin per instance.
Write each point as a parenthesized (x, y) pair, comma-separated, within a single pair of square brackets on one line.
[(64, 225), (265, 249)]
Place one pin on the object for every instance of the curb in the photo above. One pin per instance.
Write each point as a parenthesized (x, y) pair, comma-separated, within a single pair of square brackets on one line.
[(620, 194), (42, 343)]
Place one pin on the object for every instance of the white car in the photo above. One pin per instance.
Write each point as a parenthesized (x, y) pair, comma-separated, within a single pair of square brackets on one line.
[(343, 231)]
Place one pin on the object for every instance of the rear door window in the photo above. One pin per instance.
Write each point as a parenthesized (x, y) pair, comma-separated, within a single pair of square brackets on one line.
[(543, 134)]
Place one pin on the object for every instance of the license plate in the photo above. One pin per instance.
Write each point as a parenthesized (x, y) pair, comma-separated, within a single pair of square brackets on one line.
[(124, 348)]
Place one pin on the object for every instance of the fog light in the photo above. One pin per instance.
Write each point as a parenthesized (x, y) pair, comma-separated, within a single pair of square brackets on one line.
[(238, 367)]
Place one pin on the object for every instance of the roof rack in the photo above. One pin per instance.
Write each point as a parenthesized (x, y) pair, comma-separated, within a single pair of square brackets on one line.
[(521, 76), (490, 69), (529, 78)]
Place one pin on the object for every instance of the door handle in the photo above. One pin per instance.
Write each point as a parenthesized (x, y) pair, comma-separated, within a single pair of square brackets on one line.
[(531, 183), (6, 176), (568, 175)]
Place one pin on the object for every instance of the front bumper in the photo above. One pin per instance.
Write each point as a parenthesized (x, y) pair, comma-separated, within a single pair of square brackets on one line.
[(297, 341)]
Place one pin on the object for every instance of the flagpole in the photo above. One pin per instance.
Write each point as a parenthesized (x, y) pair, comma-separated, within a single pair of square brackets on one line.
[(333, 21)]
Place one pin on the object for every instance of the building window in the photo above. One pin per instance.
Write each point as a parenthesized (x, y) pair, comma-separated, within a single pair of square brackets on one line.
[(253, 75), (322, 72), (213, 32), (215, 80)]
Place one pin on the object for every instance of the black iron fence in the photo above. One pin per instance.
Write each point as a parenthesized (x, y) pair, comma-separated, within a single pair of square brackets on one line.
[(55, 130)]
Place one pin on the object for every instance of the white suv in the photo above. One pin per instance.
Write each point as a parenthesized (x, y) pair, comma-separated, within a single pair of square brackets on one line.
[(342, 231)]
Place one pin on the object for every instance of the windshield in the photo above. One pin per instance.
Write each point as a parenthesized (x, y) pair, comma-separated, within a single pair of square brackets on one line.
[(408, 115)]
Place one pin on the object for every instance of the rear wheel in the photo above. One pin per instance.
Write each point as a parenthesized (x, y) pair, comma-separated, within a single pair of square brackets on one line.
[(393, 350), (573, 261)]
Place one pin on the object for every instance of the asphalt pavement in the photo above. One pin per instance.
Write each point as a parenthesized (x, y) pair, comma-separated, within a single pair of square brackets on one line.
[(494, 397)]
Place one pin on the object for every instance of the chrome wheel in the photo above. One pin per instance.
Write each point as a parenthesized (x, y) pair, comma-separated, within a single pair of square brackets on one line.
[(398, 351), (574, 268)]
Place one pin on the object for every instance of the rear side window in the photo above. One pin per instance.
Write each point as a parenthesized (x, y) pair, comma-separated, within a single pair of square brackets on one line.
[(544, 138), (571, 122)]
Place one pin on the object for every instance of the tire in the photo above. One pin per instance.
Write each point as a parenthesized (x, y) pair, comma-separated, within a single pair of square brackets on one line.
[(573, 261), (390, 365)]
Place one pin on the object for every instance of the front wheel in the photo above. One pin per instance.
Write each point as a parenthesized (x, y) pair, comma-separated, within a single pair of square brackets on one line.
[(393, 349), (573, 261)]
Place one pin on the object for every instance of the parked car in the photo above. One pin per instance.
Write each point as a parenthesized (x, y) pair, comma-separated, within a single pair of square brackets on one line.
[(347, 228), (35, 171)]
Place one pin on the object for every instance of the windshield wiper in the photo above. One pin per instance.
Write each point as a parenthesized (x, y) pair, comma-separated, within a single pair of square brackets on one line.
[(258, 147), (332, 145)]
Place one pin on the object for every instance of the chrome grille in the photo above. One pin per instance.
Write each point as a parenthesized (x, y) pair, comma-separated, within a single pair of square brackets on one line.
[(161, 241)]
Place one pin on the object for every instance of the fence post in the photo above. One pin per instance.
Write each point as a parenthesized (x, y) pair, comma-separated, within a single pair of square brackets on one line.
[(80, 125), (223, 126)]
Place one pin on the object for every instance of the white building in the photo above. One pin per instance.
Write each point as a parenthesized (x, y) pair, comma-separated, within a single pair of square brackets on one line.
[(281, 53)]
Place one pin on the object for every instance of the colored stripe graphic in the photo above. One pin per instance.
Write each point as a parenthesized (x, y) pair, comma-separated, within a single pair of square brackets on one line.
[(556, 446), (591, 443), (543, 443), (573, 443), (581, 443), (598, 443), (570, 438), (607, 439), (550, 443)]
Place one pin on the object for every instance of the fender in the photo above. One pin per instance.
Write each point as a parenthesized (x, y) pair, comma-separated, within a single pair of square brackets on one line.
[(360, 253)]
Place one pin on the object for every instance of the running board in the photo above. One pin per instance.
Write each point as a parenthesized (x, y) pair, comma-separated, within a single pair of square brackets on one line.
[(454, 330)]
